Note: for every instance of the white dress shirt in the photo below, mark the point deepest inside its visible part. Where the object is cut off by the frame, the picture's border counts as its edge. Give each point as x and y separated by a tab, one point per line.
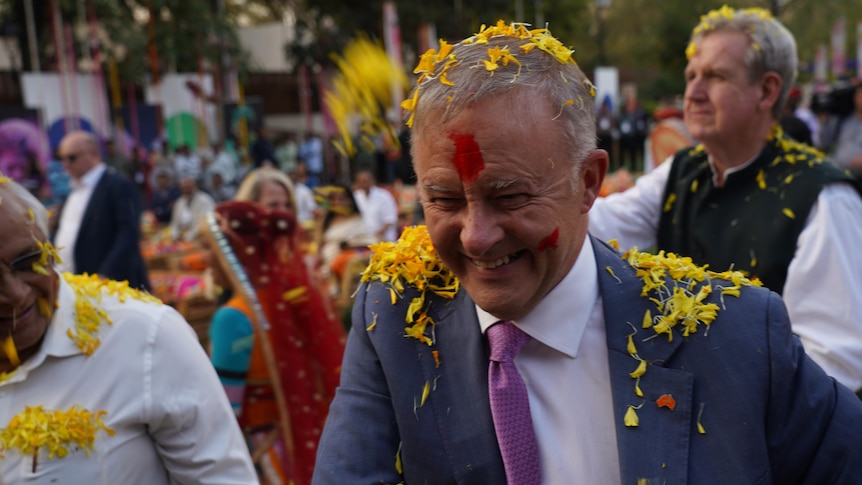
378	209
73	214
823	289
170	414
565	368
187	214
305	204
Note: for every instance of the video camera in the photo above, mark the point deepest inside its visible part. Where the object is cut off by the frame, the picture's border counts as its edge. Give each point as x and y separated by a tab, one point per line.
837	101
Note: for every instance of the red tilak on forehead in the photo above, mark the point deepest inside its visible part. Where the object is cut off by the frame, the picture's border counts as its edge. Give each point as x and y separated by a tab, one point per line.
550	241
468	157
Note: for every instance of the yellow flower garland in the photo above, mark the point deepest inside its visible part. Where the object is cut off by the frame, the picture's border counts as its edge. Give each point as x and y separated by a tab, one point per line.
88	316
412	261
55	430
680	305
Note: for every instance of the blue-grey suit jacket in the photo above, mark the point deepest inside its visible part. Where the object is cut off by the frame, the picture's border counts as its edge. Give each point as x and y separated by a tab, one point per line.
770	414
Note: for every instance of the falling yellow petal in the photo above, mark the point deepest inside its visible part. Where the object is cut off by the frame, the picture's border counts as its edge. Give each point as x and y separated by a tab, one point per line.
789	213
11	351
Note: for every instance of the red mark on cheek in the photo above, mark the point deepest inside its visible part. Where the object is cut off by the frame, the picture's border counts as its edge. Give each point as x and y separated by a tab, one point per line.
468	158
550	241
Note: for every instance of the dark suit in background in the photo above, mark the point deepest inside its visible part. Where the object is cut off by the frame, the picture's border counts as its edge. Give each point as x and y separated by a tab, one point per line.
108	242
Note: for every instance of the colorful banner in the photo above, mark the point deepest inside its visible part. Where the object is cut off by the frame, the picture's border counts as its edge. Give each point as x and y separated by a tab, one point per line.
839	48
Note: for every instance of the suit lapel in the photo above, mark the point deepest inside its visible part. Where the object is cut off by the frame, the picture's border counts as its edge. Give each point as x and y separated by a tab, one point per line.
460	392
658	448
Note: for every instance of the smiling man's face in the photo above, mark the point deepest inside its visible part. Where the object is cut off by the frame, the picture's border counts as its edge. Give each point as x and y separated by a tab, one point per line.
21	287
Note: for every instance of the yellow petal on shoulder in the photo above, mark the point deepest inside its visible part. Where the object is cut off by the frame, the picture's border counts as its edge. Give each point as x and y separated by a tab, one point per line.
647	323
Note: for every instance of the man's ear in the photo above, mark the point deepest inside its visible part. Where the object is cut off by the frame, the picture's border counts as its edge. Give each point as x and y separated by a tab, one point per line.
593	172
770	89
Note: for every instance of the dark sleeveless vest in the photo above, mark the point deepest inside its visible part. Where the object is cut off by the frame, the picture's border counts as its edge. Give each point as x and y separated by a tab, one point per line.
752	222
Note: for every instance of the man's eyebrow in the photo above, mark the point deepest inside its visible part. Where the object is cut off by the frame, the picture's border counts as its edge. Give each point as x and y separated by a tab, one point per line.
502	184
439	188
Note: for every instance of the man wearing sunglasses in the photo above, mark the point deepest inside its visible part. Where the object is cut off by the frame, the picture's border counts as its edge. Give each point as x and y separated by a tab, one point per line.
98	224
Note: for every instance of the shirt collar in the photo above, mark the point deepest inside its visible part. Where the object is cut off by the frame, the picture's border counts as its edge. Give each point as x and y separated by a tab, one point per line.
56	342
91	178
560	319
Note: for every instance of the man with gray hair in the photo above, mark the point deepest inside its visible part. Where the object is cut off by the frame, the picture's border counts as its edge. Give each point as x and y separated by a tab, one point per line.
748	197
504	344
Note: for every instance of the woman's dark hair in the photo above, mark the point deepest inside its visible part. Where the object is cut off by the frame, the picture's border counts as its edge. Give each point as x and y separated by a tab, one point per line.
327	219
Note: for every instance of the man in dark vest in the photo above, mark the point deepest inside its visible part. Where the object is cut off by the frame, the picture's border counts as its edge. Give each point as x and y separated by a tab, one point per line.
749	198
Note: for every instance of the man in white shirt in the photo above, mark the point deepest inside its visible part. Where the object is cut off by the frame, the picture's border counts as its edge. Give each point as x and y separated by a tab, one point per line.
306	206
378	207
189	210
187	163
100	383
98	229
751	199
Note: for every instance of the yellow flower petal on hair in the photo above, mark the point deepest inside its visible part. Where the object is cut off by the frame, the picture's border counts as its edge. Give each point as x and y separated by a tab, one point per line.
10	351
490	66
789	213
444	78
410	103
445	49
761	179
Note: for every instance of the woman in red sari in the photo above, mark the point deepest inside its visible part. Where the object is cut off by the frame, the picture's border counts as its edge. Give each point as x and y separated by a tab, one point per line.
276	324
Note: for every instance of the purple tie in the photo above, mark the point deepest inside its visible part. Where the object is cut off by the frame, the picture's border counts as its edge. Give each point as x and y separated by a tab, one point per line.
510	406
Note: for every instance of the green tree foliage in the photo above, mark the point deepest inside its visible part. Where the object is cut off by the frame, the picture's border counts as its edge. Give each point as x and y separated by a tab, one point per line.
186	34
